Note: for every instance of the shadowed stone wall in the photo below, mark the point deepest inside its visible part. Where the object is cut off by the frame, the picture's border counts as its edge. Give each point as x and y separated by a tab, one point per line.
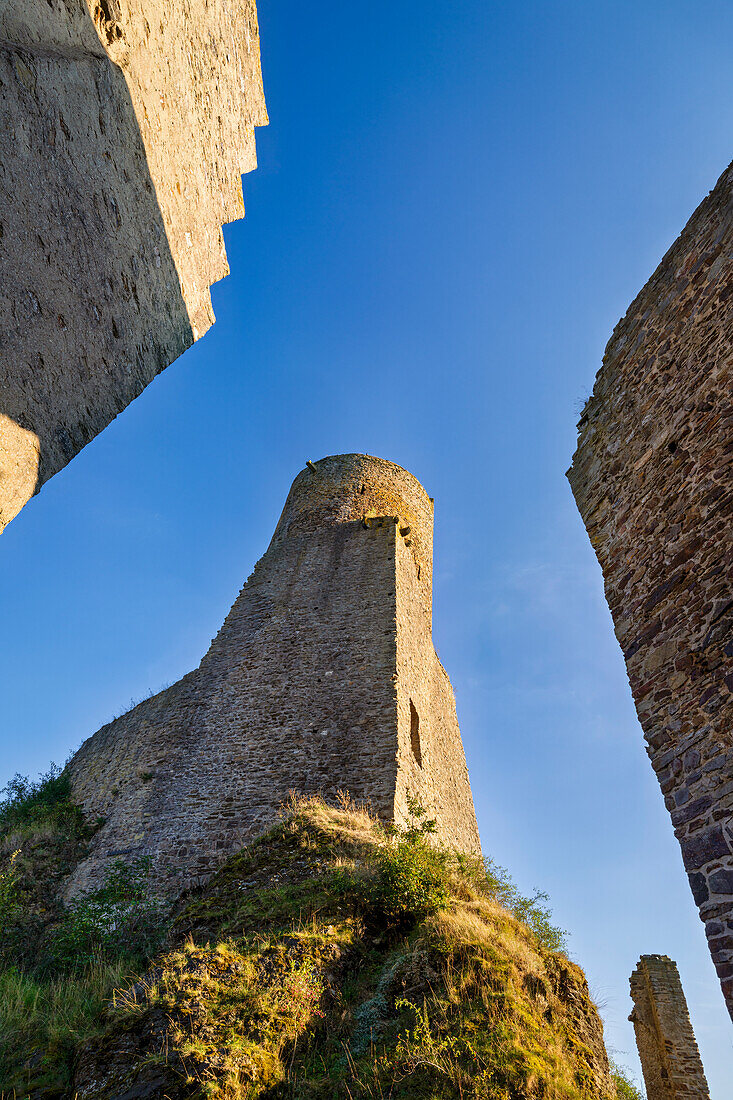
668	1051
125	126
322	678
652	477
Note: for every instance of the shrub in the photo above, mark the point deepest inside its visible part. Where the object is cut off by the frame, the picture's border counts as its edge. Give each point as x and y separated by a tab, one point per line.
626	1089
119	920
26	802
488	878
403	880
409	880
532	911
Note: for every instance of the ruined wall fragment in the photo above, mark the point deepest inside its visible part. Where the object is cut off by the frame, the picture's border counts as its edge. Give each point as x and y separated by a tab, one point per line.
670	1059
310	685
652	477
124	129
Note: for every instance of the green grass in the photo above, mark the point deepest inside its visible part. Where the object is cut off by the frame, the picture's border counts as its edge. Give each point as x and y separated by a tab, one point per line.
59	966
330	958
42	1021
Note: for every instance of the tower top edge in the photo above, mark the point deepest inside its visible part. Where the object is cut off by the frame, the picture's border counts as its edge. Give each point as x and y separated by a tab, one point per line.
347	488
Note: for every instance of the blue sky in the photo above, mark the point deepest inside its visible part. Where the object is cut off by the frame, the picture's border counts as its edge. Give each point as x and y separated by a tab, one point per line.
454	206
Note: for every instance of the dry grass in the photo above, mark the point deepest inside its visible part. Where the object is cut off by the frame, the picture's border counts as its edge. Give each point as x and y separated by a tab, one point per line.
274	985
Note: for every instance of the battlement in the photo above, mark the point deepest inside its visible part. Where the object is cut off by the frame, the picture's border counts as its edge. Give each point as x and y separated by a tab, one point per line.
323	678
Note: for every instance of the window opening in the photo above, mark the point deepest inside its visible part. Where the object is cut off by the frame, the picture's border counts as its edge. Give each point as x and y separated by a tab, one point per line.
415	733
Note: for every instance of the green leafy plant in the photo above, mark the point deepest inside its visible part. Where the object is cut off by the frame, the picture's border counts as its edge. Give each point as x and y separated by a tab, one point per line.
531	910
403	880
8	887
626	1088
119	920
46	800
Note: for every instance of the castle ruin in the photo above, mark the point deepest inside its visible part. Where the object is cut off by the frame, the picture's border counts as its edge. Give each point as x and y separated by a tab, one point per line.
667	1047
652	479
125	126
323	678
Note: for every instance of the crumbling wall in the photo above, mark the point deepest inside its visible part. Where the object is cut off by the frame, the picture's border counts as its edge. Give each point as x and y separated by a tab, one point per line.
668	1050
304	689
652	479
125	126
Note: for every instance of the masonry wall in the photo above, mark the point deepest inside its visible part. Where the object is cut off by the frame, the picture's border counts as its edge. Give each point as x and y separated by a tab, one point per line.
125	126
301	690
668	1051
652	479
432	761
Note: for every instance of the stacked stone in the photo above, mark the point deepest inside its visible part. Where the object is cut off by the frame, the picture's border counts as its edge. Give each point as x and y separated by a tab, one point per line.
670	1059
125	126
653	479
322	679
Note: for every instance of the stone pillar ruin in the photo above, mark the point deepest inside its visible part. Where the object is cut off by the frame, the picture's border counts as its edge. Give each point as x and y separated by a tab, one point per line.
323	678
668	1051
125	126
653	479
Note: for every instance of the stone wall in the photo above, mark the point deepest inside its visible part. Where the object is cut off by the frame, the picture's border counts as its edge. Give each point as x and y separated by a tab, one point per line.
668	1051
652	479
314	683
125	126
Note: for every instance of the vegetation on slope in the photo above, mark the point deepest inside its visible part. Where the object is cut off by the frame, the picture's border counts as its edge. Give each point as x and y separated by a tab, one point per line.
330	958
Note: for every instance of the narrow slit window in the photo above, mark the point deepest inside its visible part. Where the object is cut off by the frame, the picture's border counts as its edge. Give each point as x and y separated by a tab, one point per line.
415	733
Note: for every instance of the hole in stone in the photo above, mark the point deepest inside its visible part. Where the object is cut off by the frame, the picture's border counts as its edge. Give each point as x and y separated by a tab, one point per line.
415	733
671	447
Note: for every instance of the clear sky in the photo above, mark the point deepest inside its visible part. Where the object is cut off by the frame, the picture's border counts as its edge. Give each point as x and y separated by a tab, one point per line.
455	203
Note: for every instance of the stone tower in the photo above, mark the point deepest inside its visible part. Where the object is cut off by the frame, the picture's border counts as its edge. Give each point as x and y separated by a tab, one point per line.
653	479
125	126
667	1047
323	678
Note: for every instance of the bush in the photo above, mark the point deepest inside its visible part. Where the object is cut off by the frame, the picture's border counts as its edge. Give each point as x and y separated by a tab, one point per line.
530	910
626	1089
117	921
405	878
26	802
409	881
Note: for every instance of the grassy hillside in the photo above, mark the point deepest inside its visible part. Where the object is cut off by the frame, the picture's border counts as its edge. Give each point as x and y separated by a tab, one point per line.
330	958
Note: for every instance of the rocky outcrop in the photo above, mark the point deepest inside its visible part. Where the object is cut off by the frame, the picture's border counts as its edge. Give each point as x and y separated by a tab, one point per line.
275	986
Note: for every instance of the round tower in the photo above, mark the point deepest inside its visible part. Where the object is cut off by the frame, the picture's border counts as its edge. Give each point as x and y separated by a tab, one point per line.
356	488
